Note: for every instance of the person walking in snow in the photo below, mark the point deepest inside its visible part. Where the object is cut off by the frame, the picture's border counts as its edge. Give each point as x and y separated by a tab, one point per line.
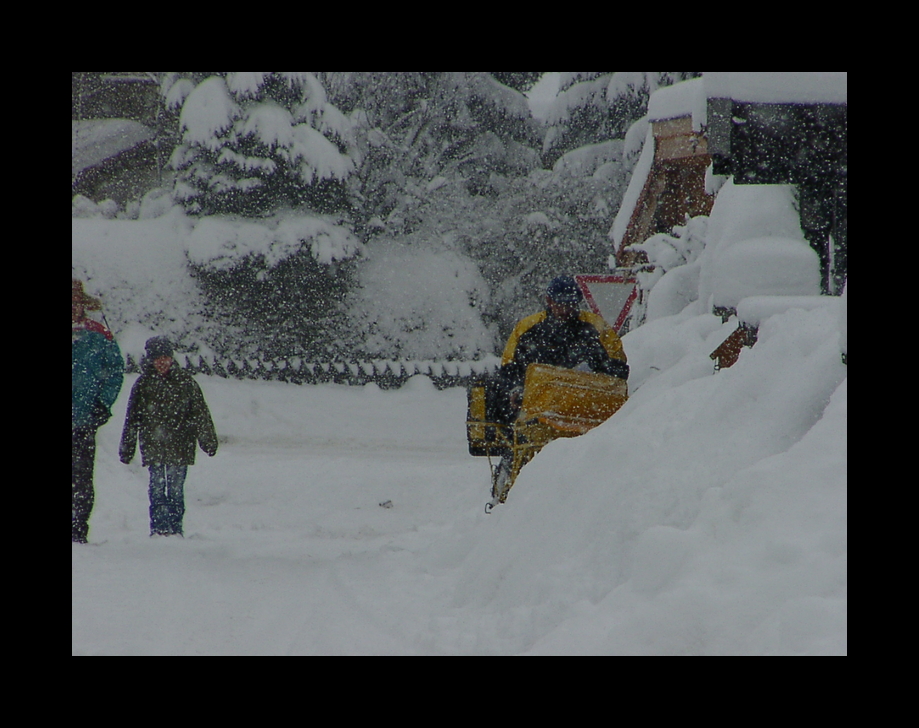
96	376
168	414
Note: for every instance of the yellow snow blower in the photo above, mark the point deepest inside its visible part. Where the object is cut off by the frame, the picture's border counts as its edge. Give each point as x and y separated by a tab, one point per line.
556	403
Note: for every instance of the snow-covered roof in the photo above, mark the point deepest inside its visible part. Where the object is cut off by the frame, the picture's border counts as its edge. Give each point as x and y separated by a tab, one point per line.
688	98
671	102
95	140
778	87
633	191
681	99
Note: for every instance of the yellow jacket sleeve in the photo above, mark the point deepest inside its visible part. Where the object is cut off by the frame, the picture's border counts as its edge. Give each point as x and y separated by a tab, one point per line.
519	330
608	336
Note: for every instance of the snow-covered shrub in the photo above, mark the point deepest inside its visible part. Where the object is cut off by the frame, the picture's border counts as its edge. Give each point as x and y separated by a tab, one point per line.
415	301
139	270
671	280
290	309
220	242
274	284
84	207
155	203
541	225
234	286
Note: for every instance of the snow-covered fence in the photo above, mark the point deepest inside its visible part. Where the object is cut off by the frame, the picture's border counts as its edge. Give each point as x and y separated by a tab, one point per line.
386	374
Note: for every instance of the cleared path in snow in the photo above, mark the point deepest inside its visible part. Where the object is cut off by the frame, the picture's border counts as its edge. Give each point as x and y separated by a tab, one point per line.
287	548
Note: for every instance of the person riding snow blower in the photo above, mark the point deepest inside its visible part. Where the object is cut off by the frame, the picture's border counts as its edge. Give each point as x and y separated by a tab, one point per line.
563	372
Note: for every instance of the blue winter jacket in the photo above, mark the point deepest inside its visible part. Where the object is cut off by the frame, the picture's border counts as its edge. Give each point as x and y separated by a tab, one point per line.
96	375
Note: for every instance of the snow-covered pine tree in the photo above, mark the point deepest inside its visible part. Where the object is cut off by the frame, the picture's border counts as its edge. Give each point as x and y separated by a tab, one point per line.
441	152
521	81
452	176
418	127
253	142
595	106
580	114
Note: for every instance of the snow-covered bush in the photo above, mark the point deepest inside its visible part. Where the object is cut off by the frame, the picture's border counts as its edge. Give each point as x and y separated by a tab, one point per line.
222	242
82	206
416	301
274	284
234	286
156	202
451	162
540	226
671	280
139	270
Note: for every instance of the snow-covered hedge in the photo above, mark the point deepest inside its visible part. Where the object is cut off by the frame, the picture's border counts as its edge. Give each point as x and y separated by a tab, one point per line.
419	301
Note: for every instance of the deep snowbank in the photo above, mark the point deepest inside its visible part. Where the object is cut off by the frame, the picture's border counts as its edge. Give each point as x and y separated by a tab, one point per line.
708	517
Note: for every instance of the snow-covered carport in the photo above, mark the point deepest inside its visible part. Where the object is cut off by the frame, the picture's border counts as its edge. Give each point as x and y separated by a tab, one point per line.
768	128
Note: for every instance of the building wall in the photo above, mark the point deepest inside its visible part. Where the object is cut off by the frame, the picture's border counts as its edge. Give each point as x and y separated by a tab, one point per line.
674	188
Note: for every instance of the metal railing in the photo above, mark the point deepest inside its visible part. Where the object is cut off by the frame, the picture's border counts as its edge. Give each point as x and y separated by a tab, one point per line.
384	373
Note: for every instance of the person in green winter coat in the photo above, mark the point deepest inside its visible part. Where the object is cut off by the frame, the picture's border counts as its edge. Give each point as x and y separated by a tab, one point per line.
168	415
96	376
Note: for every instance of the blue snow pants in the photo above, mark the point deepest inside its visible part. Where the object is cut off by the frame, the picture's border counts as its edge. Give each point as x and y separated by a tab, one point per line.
167	499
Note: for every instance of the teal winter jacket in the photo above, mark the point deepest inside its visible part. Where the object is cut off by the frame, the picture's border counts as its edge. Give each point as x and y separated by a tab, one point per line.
96	374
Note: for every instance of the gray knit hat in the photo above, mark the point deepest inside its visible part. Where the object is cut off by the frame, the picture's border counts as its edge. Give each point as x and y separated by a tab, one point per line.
158	346
564	290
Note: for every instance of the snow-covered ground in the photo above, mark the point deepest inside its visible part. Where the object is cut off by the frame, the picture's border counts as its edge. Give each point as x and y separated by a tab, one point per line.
707	517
